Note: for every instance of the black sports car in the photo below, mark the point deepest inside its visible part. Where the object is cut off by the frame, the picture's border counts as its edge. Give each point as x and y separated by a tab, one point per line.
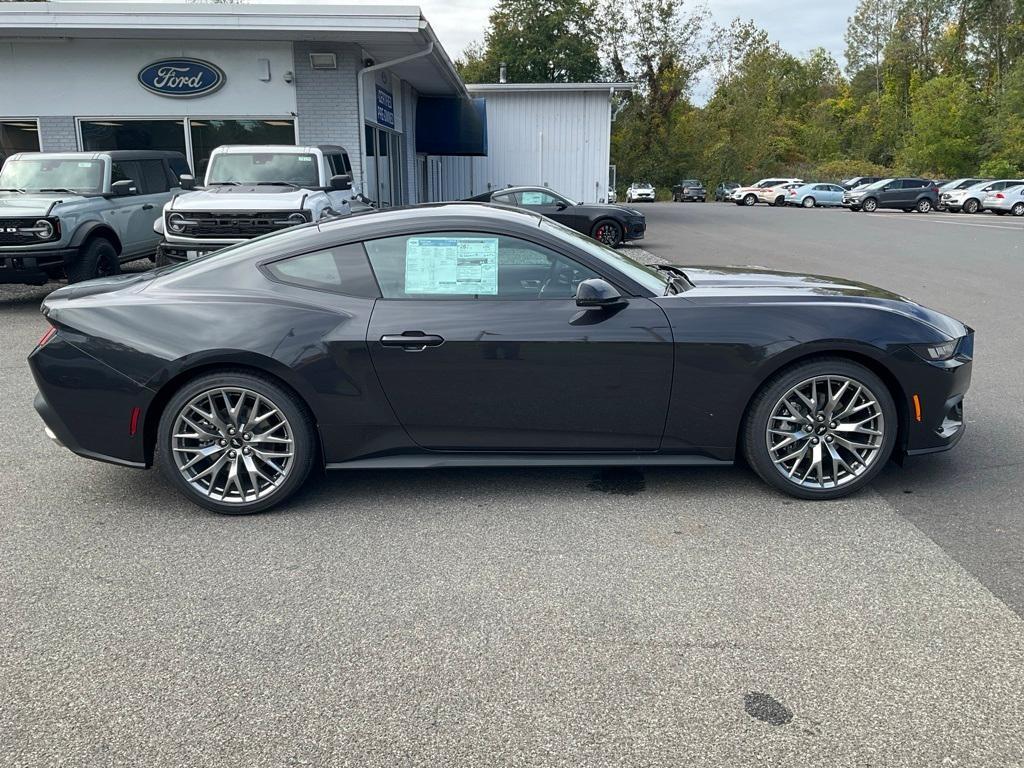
609	224
476	335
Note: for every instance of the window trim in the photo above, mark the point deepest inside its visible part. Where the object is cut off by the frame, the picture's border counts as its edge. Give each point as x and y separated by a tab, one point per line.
264	268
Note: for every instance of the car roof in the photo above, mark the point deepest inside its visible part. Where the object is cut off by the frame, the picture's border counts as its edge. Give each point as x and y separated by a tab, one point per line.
281	148
113	154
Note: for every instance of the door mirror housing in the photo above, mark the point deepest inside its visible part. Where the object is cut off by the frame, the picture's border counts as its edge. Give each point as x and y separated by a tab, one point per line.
341	181
124	188
187	181
596	292
561	205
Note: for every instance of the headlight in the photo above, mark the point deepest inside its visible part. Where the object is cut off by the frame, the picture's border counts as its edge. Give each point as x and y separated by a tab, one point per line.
44	229
937	352
176	222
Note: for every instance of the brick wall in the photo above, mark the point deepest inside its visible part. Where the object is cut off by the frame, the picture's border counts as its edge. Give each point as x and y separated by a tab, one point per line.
326	100
58	134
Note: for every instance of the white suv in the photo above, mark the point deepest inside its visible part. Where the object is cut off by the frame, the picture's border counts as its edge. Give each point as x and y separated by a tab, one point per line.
752	195
251	191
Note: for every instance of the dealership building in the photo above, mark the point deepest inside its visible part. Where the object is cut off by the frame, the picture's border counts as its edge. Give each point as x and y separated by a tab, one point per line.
373	79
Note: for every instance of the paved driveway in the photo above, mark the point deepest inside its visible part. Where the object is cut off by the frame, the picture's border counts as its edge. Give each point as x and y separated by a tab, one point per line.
666	617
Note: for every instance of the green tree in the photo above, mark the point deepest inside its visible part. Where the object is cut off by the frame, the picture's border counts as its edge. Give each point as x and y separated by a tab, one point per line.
945	128
539	41
867	35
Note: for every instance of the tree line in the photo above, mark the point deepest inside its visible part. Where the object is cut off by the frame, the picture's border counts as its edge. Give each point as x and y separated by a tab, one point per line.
930	87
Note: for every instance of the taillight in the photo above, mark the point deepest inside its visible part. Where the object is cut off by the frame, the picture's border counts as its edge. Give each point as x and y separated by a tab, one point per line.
50	333
999	195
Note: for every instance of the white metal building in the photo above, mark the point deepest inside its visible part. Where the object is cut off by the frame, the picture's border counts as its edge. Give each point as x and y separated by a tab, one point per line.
373	79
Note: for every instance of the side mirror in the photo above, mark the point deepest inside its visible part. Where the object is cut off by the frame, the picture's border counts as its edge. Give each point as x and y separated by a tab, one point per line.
561	205
596	292
187	182
124	188
341	181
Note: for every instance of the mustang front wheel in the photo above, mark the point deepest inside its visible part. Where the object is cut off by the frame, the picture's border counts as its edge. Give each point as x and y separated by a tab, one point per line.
607	232
235	443
821	429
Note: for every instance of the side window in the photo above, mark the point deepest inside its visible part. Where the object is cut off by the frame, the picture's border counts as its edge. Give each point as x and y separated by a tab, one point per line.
154	179
536	197
471	265
178	166
343	269
913	184
509	198
124	170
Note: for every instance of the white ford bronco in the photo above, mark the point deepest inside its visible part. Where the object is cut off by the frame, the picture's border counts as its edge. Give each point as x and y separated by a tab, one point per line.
253	190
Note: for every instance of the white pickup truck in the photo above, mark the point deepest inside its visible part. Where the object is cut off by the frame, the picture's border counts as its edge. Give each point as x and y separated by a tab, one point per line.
253	190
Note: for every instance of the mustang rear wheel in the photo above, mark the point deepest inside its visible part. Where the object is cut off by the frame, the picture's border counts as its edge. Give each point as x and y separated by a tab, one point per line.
235	443
821	429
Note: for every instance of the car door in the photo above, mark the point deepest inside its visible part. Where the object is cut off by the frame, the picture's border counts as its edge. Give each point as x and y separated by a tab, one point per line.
479	345
154	190
833	194
126	211
546	204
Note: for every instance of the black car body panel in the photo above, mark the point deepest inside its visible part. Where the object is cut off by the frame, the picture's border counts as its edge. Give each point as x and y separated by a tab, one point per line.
583	217
657	378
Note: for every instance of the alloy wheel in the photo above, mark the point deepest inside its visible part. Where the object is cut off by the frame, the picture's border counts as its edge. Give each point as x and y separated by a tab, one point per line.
870	205
233	445
924	206
808	202
1018	209
750	200
608	233
971	206
825	432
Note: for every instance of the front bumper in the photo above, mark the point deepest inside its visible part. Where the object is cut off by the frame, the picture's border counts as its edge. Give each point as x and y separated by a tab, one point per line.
940	390
635	230
32	267
177	252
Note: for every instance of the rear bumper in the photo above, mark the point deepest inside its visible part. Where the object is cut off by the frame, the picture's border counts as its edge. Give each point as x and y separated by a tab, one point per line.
94	420
32	267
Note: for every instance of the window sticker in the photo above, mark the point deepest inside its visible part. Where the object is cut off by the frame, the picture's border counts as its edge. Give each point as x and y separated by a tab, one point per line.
453	265
533	198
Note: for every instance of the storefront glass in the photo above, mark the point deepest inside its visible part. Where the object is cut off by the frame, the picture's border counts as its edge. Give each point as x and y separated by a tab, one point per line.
18	136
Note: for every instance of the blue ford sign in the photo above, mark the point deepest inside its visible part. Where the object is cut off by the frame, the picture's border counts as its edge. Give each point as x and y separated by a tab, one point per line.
181	78
385	108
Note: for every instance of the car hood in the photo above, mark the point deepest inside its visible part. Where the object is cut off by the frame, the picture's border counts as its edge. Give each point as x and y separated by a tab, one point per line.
27	204
755	283
247	198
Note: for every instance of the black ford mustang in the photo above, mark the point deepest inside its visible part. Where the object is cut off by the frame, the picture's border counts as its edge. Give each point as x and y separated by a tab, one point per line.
609	224
475	335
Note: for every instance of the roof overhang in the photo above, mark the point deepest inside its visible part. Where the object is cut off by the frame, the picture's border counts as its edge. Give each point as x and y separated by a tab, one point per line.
491	88
384	32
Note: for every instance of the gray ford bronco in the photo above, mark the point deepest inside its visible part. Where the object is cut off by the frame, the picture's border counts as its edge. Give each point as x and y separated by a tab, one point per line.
81	214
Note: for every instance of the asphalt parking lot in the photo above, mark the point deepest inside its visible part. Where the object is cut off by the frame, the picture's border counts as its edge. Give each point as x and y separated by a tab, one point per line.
543	617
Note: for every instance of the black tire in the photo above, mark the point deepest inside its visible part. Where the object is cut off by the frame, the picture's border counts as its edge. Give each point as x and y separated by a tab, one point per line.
808	202
749	199
97	258
299	422
971	206
870	205
1018	209
754	435
608	232
924	205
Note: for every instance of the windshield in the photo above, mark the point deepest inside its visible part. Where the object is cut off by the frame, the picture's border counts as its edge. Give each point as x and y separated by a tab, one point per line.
691	183
34	174
648	277
878	184
263	167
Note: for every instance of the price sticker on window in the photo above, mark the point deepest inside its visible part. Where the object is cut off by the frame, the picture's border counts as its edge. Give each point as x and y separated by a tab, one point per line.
452	265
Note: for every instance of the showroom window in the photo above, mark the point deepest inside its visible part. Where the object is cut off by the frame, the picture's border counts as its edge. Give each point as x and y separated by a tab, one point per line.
468	265
166	135
207	135
18	136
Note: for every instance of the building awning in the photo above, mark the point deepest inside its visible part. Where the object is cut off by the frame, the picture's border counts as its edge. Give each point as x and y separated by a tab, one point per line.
451	126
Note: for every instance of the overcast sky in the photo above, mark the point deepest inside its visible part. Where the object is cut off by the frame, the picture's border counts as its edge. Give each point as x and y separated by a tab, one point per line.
798	25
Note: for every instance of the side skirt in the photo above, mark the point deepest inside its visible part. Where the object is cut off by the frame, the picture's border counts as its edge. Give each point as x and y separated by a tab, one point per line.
436	461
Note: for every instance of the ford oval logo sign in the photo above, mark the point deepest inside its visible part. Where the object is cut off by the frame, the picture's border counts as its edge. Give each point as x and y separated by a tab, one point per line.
181	78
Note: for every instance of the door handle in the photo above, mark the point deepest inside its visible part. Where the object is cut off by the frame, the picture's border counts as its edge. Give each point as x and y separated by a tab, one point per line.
147	207
411	341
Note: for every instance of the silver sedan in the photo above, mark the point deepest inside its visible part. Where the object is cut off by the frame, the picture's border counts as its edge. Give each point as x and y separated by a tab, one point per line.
1004	201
